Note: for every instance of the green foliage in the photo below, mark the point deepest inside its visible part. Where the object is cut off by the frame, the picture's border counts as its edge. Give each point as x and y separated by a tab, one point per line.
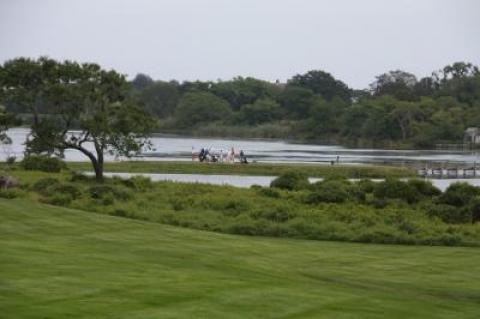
291	181
196	108
9	193
396	189
342	210
42	163
450	214
138	183
81	97
459	194
43	185
261	111
323	84
424	187
330	191
109	193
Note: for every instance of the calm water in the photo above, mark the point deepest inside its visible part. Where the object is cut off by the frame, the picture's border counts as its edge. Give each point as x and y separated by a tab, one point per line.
180	148
247	181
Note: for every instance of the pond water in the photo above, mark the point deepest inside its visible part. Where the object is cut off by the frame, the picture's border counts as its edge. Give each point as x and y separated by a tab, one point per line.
248	181
180	149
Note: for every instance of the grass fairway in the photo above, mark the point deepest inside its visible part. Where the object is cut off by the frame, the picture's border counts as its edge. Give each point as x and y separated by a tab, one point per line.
61	263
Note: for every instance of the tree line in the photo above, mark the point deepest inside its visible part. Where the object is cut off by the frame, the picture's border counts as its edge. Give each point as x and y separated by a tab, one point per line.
396	110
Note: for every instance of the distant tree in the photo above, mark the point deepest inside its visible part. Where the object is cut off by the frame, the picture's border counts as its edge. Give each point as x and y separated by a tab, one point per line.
405	114
425	87
241	91
142	81
460	80
195	108
325	116
195	86
398	84
160	98
322	83
77	96
459	70
297	101
261	111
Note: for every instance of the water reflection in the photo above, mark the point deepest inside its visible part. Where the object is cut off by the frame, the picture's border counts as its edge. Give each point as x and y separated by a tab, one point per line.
180	148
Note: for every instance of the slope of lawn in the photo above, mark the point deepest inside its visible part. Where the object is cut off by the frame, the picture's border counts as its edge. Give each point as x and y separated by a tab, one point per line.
61	263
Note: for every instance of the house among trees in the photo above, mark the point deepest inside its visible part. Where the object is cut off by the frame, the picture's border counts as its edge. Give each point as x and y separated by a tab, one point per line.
472	135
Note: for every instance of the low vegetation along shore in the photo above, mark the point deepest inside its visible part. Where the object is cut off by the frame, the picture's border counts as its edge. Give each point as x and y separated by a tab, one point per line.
311	170
391	212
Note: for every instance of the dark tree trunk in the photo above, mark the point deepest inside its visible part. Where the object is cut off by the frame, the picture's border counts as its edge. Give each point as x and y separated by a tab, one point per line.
98	167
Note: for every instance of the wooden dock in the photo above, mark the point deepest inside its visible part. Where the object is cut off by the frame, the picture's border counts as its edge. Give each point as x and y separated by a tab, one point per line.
450	172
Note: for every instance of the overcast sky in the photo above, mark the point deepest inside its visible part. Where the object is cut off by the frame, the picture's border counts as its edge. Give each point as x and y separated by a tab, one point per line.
269	39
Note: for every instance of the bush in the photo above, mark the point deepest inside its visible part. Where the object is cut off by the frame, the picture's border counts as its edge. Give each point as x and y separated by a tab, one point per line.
8	193
78	177
475	209
334	191
291	181
139	183
42	185
269	192
450	214
459	194
366	186
42	163
278	214
396	189
108	193
68	189
424	188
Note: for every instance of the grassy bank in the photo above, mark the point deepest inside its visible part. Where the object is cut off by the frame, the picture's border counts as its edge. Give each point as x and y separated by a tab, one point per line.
63	263
304	213
250	169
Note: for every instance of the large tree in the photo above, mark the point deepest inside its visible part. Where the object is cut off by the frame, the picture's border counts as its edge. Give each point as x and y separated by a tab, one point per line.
200	107
398	83
322	83
81	97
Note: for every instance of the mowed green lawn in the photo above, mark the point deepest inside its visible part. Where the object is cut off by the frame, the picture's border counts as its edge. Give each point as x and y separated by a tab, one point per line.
61	263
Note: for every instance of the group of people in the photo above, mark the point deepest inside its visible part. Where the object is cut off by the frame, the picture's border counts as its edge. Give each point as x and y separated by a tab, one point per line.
209	155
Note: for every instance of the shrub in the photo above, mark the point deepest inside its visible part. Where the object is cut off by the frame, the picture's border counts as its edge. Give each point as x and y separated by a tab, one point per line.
139	183
396	189
291	181
269	192
42	185
475	209
8	193
68	189
424	188
366	185
106	191
278	214
334	191
42	163
78	177
459	194
449	213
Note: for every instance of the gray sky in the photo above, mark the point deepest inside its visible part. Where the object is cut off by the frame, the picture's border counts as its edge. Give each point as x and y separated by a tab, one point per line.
268	39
